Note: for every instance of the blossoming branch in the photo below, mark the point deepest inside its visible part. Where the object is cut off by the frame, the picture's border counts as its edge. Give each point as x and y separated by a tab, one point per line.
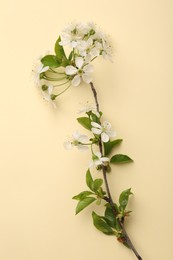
54	74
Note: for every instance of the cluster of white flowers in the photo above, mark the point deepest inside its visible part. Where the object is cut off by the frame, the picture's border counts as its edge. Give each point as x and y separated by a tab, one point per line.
87	39
88	42
103	131
81	142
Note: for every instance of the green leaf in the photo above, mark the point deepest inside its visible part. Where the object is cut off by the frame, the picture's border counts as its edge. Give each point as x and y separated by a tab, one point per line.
101	224
70	56
94	117
97	183
51	61
84	203
89	179
59	50
85	122
120	158
111	219
110	145
123	198
82	195
101	192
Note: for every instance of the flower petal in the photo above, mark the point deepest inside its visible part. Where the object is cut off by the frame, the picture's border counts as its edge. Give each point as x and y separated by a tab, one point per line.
64	42
96	113
83	139
43	69
98	154
91	164
73	44
88	58
50	89
86	78
88	68
106	125
68	145
76	81
79	61
98	162
82	147
70	70
104	159
76	135
96	131
111	133
96	125
104	137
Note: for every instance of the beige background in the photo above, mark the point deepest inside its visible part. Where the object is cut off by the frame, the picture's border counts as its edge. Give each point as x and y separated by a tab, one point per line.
38	177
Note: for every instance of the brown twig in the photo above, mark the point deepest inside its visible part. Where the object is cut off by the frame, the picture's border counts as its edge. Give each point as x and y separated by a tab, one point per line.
126	238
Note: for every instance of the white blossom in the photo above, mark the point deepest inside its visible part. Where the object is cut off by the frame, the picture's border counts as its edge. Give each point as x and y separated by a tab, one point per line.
89	107
84	46
98	160
78	140
87	40
39	68
72	33
81	71
104	130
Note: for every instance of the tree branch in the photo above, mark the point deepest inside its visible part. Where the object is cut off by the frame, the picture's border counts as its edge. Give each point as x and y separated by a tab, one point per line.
109	199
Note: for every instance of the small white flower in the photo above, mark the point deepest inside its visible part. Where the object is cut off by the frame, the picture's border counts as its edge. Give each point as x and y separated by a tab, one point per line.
82	71
107	51
76	140
85	46
72	33
89	107
98	160
39	68
104	130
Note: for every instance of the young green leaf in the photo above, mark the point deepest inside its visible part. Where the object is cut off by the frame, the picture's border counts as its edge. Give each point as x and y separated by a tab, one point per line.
97	183
89	179
101	224
110	145
51	61
120	158
59	50
82	195
84	203
101	193
123	198
70	56
111	219
94	117
85	122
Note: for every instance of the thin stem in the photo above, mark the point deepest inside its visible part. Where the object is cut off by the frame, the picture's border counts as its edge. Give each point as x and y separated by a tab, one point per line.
63	90
56	72
58	85
109	198
53	79
95	96
86	143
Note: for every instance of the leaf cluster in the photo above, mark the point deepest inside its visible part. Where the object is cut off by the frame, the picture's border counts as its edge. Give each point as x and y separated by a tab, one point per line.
108	146
96	192
57	60
111	222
